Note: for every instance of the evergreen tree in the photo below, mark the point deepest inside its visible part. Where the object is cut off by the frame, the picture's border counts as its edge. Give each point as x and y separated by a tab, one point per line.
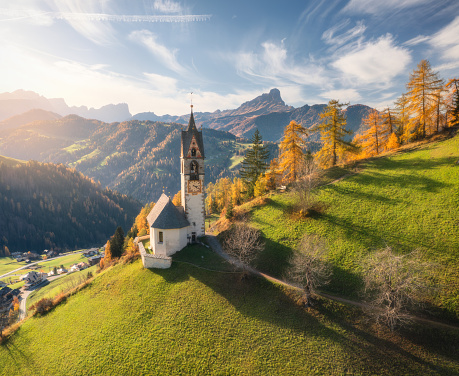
292	151
422	94
254	163
117	243
332	133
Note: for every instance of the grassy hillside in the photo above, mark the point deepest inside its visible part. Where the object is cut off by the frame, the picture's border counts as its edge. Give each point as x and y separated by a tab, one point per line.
187	320
407	200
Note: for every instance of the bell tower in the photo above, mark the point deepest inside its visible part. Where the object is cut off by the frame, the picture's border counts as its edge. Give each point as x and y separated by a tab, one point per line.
192	178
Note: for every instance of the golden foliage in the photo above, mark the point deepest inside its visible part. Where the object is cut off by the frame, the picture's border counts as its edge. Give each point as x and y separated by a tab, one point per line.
392	142
332	132
291	151
177	200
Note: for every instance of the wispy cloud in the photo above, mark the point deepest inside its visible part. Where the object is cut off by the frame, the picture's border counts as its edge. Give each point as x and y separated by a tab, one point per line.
21	14
166	56
344	95
274	64
167	6
333	36
380	6
447	40
375	62
417	40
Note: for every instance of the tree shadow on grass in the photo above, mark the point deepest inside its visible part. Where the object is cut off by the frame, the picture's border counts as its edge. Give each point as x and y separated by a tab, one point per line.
411	179
260	300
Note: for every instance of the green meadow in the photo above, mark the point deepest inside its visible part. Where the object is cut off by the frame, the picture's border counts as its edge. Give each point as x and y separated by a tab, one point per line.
408	200
192	321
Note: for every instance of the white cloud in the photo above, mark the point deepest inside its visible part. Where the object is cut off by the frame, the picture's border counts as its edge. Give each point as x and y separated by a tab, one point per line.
331	36
416	40
380	6
447	40
163	84
374	62
276	66
167	6
344	95
166	56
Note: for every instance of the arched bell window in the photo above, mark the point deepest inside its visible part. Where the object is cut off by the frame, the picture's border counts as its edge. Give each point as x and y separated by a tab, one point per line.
194	170
193	152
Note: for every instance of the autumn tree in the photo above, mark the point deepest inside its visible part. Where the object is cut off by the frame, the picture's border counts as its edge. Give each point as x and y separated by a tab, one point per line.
422	87
374	138
177	200
108	253
332	133
141	227
454	105
403	118
260	186
243	243
292	151
395	285
309	179
309	268
272	175
254	162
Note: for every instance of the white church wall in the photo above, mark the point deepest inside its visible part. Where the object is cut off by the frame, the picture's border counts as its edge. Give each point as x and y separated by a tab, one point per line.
152	261
173	241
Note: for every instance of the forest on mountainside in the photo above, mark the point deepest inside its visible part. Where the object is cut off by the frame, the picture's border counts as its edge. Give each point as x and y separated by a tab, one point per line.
48	206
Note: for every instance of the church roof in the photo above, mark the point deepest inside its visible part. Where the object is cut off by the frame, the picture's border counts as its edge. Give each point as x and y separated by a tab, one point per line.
165	215
187	136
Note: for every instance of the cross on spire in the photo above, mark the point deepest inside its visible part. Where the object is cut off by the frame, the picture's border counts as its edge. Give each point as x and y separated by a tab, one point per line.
191	96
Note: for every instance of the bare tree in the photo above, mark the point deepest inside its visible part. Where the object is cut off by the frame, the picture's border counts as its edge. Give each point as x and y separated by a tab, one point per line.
309	178
308	267
243	243
395	284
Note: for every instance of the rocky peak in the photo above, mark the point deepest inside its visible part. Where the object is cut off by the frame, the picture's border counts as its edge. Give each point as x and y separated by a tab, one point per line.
263	104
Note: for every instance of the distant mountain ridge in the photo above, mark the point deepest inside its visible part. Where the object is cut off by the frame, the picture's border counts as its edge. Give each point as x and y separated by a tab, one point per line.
21	101
268	113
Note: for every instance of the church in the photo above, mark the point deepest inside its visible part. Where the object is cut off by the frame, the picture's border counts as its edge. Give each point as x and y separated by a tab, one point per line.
172	227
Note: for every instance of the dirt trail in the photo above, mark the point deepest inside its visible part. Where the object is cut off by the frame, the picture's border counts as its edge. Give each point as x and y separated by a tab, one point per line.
215	245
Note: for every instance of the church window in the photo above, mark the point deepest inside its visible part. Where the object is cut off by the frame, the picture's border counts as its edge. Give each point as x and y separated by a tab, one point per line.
194	170
193	152
160	237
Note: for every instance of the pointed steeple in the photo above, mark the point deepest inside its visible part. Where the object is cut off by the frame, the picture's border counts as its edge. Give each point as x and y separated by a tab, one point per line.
192	133
191	123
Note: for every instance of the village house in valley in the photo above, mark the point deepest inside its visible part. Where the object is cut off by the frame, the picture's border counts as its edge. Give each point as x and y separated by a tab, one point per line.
172	227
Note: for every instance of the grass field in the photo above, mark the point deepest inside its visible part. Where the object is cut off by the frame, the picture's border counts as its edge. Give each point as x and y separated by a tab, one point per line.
190	321
61	284
8	264
407	201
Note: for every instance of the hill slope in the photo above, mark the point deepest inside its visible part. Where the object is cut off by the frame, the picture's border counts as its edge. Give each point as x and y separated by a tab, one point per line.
187	320
47	206
407	200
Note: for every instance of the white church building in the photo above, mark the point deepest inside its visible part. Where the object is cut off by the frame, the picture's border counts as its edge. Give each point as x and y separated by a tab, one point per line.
172	227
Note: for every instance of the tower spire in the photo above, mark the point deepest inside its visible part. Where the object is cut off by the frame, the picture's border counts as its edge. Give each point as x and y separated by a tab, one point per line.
191	99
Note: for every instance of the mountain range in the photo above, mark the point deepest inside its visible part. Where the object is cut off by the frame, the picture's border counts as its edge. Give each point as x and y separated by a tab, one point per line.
140	156
21	101
268	113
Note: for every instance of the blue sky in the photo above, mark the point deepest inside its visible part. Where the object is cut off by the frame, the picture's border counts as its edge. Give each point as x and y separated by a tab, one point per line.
152	53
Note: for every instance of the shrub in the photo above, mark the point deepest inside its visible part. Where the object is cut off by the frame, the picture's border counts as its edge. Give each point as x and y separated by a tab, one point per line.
42	306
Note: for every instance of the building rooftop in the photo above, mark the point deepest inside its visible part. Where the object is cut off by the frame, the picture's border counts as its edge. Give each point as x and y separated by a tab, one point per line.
165	215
